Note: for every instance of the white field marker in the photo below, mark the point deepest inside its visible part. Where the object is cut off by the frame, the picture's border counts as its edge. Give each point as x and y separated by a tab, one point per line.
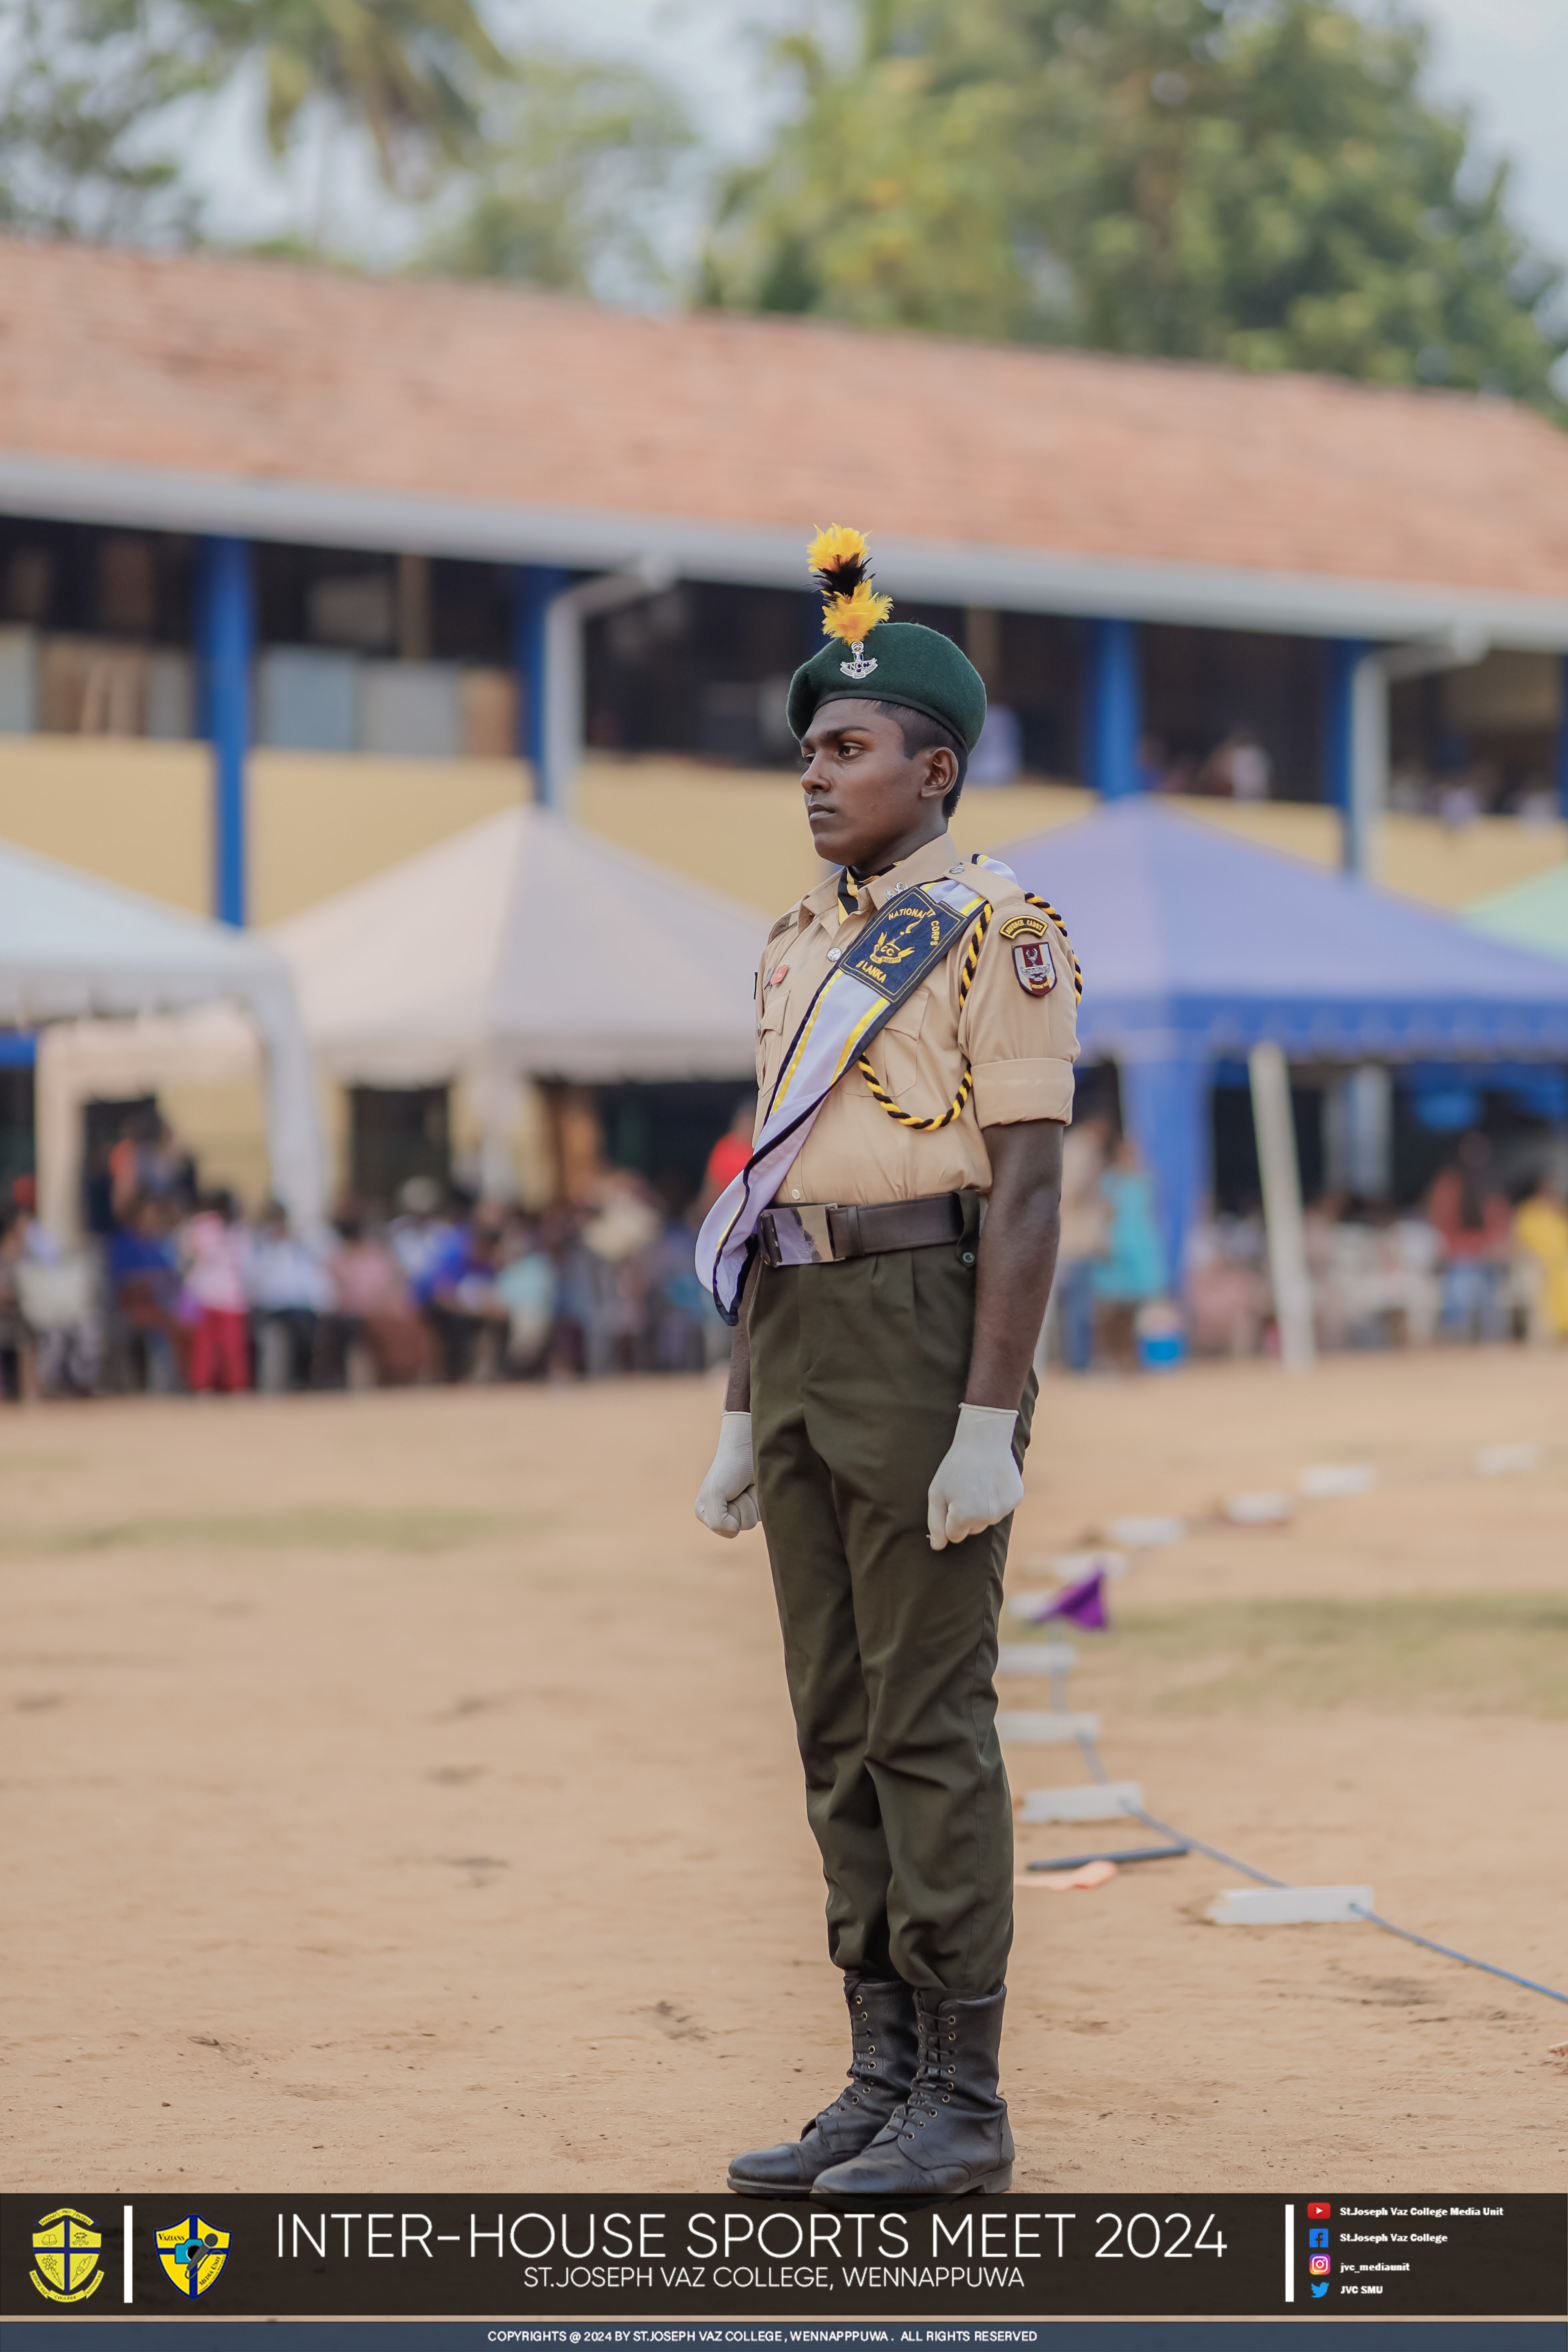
1146	1534
1106	1800
1322	1481
1035	1658
1288	1906
1044	1727
1508	1461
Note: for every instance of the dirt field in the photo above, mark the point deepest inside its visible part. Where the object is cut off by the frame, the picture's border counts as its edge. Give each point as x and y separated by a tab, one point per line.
400	1793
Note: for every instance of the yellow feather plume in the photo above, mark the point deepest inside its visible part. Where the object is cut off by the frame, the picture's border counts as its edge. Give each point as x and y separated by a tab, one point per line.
853	617
839	543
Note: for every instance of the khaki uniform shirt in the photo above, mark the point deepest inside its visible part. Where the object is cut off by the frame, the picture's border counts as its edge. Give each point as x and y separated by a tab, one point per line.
1021	1048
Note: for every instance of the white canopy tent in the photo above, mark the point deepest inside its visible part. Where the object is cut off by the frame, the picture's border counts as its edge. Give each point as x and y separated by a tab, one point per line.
76	950
523	949
525	941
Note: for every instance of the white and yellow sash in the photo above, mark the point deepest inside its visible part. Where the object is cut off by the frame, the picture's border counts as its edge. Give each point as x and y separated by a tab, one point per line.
917	929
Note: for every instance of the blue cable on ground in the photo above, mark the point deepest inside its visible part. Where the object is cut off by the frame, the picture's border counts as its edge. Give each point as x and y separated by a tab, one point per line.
1467	1959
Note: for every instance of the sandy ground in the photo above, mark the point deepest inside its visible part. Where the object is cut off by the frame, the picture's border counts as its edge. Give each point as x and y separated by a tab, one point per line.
400	1792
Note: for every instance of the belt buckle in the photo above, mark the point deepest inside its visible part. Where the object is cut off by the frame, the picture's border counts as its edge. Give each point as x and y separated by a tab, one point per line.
799	1236
815	1231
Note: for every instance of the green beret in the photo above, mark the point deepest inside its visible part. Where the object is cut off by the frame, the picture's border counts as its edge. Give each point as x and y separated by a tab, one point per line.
915	667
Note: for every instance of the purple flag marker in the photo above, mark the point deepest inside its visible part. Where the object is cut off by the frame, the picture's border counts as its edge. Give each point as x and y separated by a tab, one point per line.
1082	1604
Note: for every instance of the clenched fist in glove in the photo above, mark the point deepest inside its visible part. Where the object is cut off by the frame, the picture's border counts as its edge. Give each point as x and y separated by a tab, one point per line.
727	1498
977	1482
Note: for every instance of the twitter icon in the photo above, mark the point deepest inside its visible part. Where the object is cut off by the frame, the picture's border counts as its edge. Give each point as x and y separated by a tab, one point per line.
1319	2286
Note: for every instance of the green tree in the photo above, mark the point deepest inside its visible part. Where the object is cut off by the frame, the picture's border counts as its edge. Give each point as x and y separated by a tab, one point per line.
574	177
410	73
83	85
1262	182
97	97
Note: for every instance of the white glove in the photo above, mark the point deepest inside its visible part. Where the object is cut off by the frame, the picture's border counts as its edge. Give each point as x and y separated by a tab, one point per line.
727	1498
977	1482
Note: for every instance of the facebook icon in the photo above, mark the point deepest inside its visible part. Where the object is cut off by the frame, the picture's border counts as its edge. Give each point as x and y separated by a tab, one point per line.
1317	2237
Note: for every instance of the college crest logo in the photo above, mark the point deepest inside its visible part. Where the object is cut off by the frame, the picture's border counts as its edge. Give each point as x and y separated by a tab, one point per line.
1032	959
65	2247
192	2253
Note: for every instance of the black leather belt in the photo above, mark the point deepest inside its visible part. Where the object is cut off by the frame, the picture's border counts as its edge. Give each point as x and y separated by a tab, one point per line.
822	1231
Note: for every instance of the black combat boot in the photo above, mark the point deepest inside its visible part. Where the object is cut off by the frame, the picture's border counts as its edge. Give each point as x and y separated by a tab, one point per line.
952	2135
883	2049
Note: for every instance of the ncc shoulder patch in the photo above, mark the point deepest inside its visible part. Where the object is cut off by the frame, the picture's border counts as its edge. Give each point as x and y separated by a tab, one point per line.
1024	927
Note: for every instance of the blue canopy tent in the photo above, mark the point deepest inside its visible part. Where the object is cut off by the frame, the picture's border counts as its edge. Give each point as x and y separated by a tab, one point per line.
1197	946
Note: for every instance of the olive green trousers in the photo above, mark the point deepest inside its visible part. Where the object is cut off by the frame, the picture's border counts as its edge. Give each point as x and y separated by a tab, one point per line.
858	1373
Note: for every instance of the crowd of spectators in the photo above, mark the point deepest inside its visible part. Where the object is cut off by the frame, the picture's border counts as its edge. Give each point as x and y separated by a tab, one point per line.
1465	1262
185	1294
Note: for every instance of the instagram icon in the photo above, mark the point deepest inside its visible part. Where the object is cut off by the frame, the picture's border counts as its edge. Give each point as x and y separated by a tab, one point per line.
1320	2266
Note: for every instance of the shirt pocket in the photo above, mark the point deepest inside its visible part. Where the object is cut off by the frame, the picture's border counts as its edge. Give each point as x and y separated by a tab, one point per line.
773	1036
894	1049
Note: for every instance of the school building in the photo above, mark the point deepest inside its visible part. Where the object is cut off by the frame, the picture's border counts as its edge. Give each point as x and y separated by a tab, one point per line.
302	571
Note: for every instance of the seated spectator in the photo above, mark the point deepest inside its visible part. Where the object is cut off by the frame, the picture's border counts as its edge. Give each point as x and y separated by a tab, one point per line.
684	1326
1411	1283
371	1310
1540	1250
1474	1227
1228	1293
59	1300
526	1287
624	1223
214	1247
1238	769
19	1371
421	1230
290	1291
456	1290
144	1267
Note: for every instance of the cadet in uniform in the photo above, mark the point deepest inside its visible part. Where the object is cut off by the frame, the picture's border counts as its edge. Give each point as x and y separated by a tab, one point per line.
888	1252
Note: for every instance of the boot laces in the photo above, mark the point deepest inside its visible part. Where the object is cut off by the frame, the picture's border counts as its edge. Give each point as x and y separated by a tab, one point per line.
936	2071
866	2061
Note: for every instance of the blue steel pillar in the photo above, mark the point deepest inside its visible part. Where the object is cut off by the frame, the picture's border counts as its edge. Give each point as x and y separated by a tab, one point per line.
225	645
538	585
1345	655
1112	709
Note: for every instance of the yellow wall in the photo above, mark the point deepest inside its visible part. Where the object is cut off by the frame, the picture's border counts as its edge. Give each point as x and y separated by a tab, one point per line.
321	820
1416	854
225	1127
133	813
743	830
139	814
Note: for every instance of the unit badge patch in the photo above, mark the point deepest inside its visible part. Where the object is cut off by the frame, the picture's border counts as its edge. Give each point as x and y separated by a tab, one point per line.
192	2253
1032	958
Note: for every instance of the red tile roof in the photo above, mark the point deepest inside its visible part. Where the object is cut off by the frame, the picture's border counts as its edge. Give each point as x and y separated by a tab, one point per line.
240	369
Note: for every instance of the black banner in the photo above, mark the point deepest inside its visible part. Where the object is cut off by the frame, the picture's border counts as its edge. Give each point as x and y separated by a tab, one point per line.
627	2260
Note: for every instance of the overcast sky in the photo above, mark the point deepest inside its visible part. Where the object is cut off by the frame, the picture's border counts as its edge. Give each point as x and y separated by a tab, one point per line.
1507	59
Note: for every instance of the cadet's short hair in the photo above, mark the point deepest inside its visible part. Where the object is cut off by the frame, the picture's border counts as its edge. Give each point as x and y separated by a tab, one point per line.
921	732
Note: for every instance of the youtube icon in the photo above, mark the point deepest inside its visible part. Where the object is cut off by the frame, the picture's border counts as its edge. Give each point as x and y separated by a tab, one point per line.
1317	2212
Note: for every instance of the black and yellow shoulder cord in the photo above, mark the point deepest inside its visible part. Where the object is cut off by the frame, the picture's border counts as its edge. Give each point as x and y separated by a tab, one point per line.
966	1087
1045	907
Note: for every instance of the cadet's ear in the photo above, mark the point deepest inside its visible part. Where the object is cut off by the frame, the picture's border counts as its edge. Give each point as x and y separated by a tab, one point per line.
941	775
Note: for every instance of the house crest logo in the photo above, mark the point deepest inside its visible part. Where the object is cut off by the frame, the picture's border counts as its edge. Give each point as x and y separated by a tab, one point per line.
66	2247
192	2253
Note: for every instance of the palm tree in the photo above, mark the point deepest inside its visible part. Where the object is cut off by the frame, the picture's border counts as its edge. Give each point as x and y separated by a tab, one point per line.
409	73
